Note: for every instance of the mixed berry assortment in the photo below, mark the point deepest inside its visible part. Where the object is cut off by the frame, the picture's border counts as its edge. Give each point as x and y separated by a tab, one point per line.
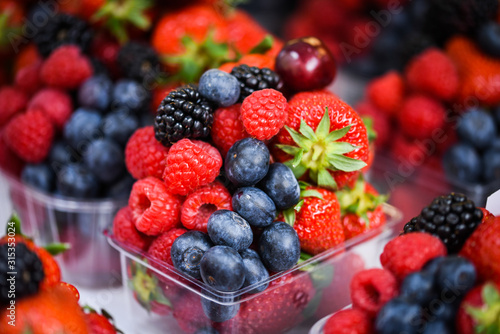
429	284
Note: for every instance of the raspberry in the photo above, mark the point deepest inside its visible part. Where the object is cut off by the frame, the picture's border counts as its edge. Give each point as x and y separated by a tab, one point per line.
55	103
387	92
30	135
227	128
28	78
125	231
191	164
160	248
66	68
433	72
154	209
9	161
410	252
12	101
348	322
409	150
200	204
371	289
421	116
381	122
144	155
264	113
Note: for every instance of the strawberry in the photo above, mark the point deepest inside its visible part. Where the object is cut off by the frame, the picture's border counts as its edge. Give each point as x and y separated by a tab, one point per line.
316	219
361	209
27	56
334	154
244	33
409	150
381	123
480	310
483	249
387	92
99	323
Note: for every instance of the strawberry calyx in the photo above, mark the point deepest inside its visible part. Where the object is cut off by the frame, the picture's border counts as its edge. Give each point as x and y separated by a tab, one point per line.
358	201
370	130
320	152
117	14
146	288
487	317
227	7
290	214
6	29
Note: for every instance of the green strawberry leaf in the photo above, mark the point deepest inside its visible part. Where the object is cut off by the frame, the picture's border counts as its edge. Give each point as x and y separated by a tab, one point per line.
346	164
57	248
326	180
298	158
323	129
298	138
292	150
311	193
298	171
370	130
298	206
265	45
336	147
490	295
307	131
337	134
289	215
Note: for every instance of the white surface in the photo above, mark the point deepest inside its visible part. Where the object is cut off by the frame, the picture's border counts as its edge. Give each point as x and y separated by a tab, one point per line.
493	203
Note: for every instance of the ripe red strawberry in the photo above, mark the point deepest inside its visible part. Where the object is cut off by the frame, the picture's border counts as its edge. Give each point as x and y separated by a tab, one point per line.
160	247
371	289
55	103
317	221
409	150
28	55
227	128
381	122
361	208
191	164
387	92
30	135
154	209
337	151
433	72
28	78
99	323
12	101
408	253
480	310
421	116
144	155
264	113
66	68
125	231
483	249
201	203
244	33
348	322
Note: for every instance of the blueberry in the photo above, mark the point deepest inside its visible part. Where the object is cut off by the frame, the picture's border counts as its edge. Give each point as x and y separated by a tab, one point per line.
488	38
491	163
279	247
40	176
281	185
477	128
82	128
229	229
456	274
219	87
255	271
206	330
222	268
121	189
399	316
444	308
75	180
247	162
496	114
436	327
95	93
461	162
61	153
130	95
219	312
119	126
432	267
105	159
254	206
418	288
187	251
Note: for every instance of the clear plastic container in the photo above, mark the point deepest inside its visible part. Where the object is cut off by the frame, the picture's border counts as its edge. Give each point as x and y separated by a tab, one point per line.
163	300
90	262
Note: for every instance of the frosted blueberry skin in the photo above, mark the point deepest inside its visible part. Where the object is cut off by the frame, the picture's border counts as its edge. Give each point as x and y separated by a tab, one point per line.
255	271
95	93
399	316
228	228
254	206
105	159
219	87
83	127
222	268
218	312
279	247
41	176
247	162
188	250
281	186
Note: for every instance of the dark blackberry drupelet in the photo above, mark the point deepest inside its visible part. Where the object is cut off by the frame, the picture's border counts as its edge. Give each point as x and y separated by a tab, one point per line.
63	29
28	271
451	218
184	113
138	61
254	78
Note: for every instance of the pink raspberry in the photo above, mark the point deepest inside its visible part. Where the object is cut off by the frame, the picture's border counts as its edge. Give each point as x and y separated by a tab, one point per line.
125	231
12	101
160	248
28	78
227	128
55	103
350	321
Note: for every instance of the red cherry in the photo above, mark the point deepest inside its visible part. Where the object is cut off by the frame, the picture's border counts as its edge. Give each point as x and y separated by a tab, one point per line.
306	64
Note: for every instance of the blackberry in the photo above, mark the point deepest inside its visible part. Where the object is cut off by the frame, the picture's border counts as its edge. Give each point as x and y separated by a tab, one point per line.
254	78
28	270
451	218
62	29
184	113
138	61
